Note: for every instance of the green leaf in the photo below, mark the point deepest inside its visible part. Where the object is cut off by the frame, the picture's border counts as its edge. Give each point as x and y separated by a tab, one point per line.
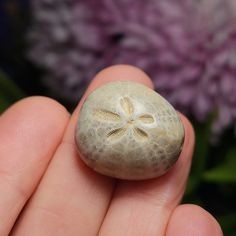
227	223
202	136
9	92
226	173
3	104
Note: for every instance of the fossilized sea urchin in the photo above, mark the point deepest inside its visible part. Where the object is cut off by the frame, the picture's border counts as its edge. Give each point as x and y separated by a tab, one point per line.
128	131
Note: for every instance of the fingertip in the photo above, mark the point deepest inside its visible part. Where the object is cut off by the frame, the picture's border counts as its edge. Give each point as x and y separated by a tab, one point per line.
33	120
191	219
189	140
38	103
44	109
119	73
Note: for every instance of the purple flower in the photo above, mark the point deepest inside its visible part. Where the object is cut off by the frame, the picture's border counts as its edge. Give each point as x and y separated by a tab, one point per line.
187	47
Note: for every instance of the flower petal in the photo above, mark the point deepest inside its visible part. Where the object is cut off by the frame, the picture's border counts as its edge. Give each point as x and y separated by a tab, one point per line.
140	134
105	115
127	105
116	133
146	118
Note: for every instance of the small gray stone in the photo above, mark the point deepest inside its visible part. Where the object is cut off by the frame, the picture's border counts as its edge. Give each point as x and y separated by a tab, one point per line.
128	131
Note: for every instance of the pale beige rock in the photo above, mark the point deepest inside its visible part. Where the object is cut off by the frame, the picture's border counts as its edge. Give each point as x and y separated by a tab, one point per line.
128	131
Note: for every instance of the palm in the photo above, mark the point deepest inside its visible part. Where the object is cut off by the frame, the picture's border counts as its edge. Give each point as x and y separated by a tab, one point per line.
40	171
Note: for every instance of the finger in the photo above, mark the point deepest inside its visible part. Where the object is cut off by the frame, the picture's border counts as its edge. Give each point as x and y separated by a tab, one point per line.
30	131
192	220
72	199
144	208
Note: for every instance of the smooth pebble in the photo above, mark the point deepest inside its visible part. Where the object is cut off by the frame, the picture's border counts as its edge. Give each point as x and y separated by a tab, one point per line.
128	131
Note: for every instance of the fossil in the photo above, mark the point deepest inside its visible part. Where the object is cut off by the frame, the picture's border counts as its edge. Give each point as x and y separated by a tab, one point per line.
131	122
128	131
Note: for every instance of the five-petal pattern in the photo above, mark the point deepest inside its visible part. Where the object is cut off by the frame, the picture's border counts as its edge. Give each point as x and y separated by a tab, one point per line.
131	122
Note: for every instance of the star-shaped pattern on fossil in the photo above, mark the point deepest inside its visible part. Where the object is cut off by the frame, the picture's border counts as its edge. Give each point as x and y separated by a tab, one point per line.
131	121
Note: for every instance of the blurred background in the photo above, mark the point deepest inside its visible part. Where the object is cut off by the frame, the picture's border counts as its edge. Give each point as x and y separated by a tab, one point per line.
188	48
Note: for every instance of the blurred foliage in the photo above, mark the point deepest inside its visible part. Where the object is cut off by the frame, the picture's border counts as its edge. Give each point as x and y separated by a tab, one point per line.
9	92
224	173
212	182
14	22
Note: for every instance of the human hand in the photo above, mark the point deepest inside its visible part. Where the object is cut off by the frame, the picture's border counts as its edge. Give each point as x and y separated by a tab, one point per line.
45	189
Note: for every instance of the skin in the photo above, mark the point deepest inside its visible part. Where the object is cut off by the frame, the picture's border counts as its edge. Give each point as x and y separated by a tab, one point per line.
47	190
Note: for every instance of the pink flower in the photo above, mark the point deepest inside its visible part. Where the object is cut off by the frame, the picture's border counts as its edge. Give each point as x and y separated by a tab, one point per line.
187	47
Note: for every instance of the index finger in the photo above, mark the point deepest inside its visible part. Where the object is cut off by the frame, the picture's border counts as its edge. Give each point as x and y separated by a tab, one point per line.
71	195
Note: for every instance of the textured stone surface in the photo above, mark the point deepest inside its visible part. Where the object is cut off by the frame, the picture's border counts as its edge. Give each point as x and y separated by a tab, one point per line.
128	131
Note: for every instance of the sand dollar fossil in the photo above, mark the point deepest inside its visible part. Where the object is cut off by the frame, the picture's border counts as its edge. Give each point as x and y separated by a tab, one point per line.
126	130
